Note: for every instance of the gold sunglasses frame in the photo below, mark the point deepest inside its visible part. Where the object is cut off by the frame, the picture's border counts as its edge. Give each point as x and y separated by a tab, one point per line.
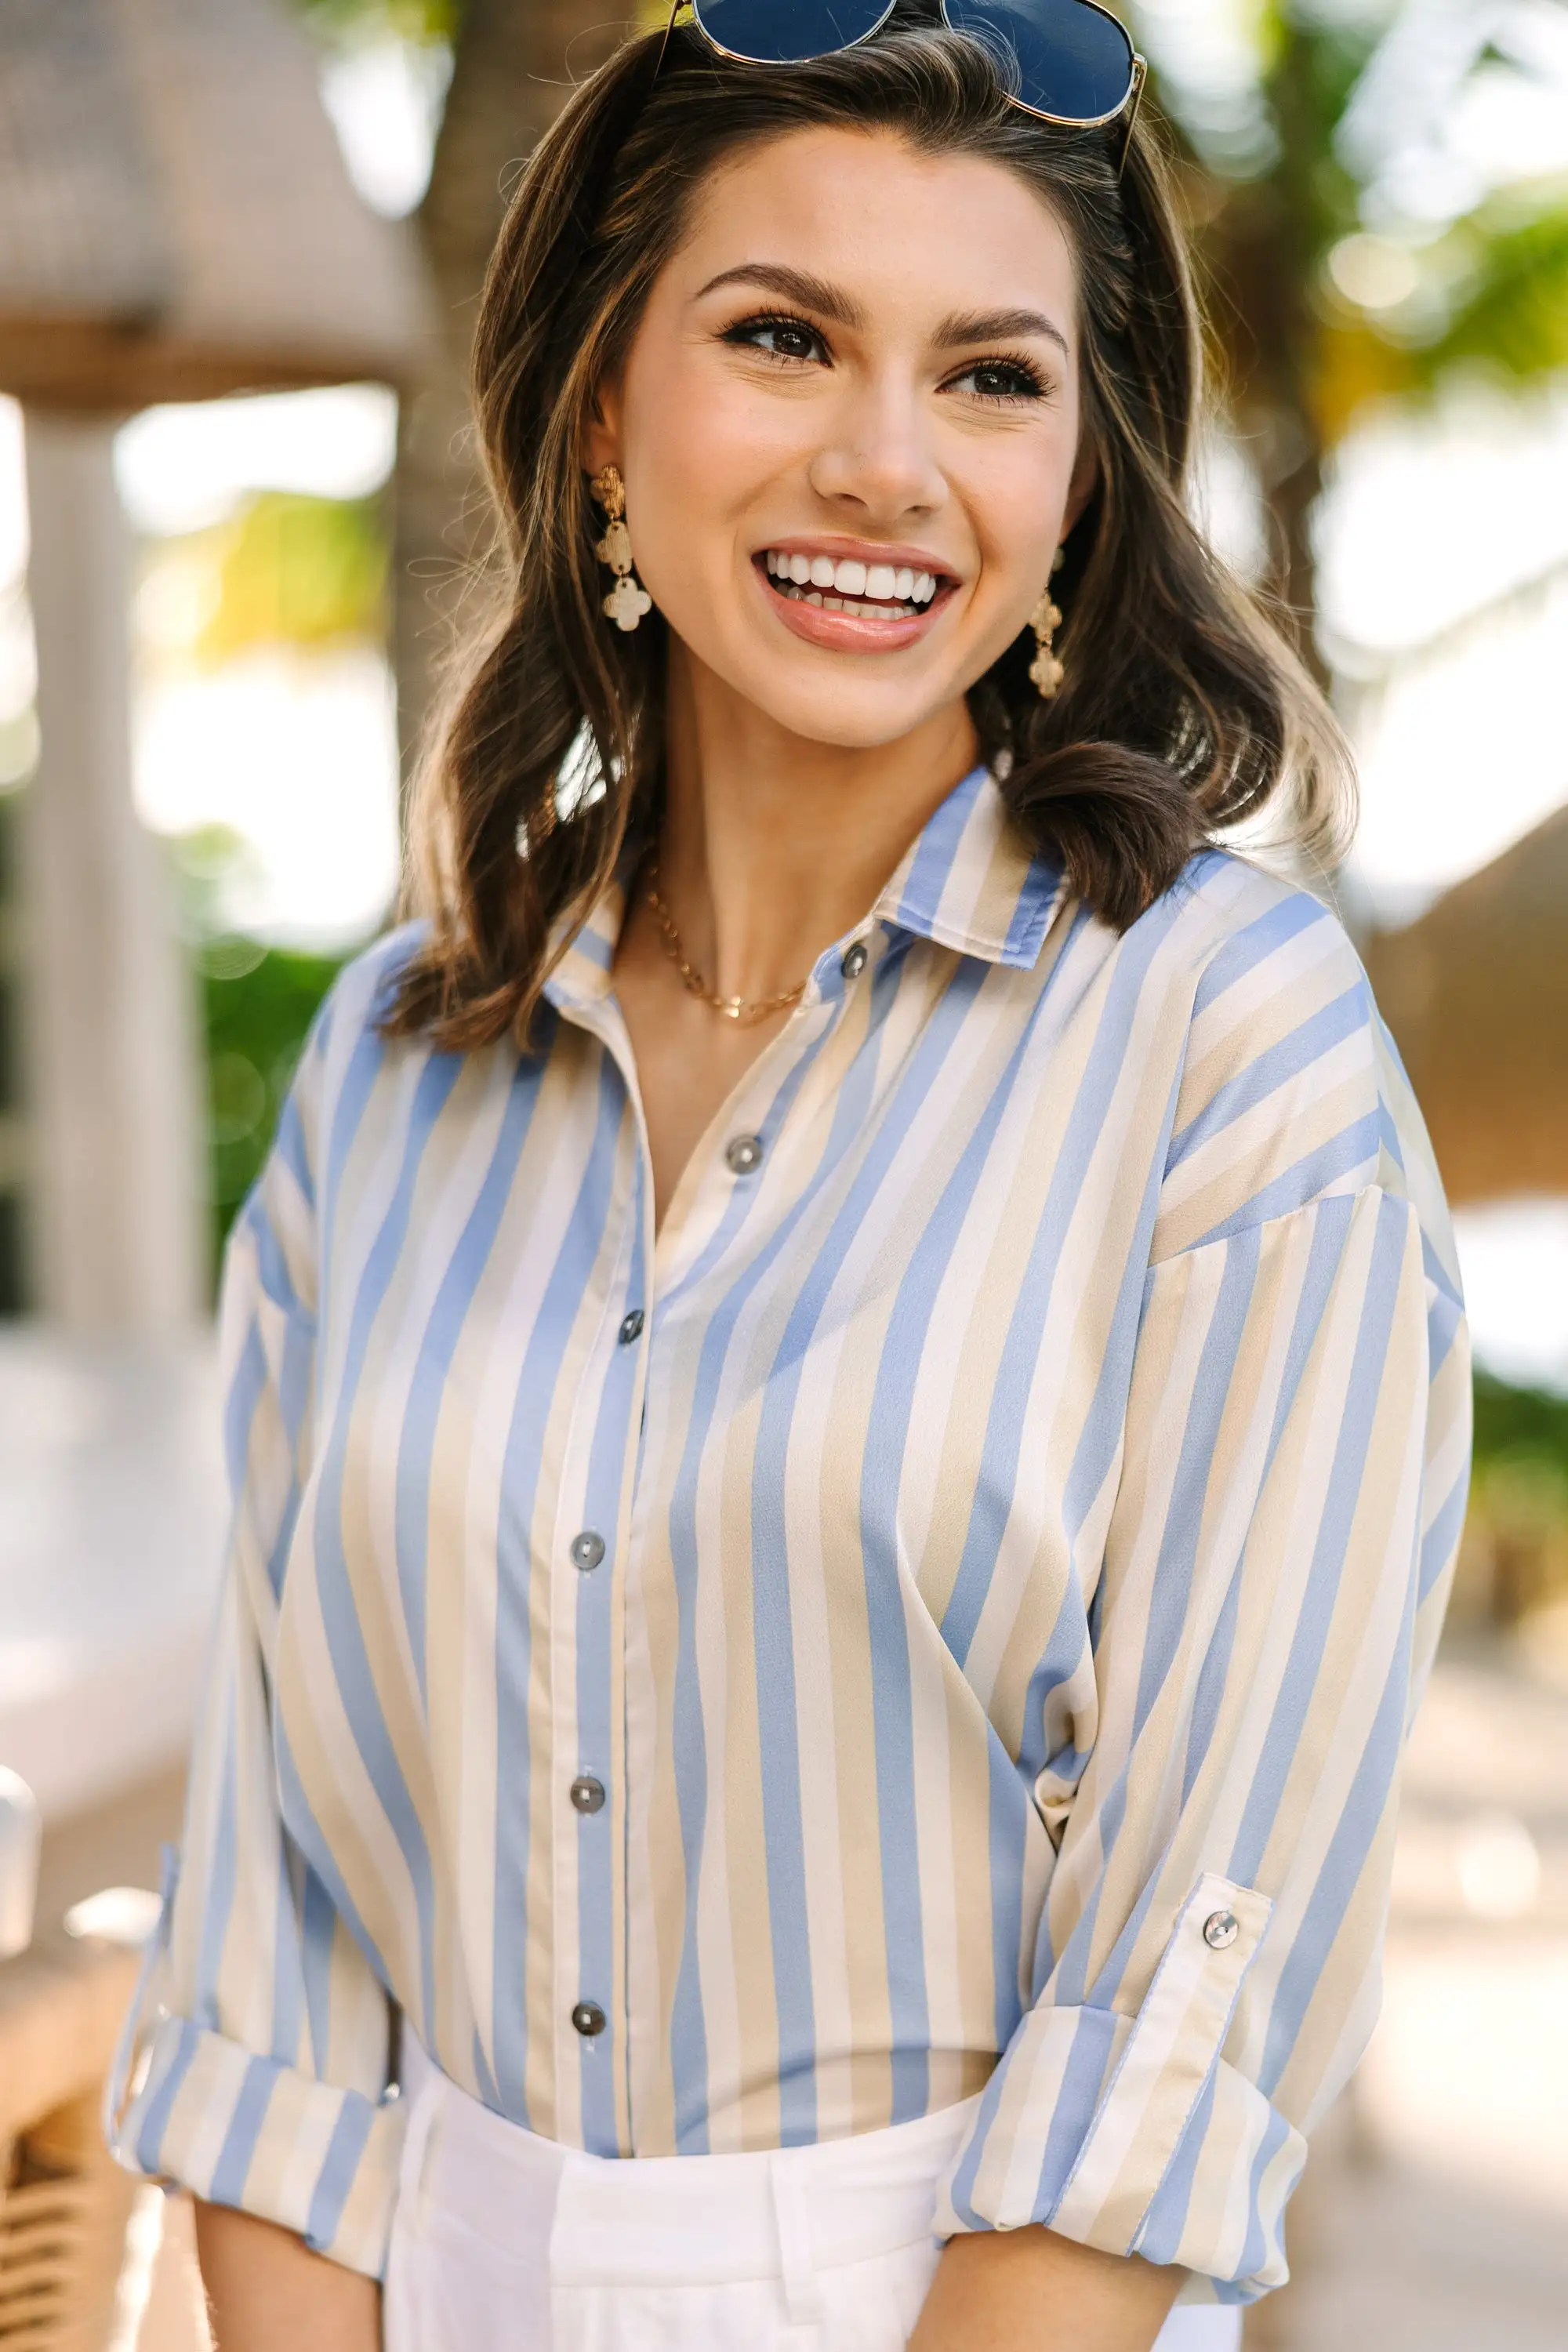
1128	106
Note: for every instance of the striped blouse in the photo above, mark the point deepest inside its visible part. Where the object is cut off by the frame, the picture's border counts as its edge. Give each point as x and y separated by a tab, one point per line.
941	1614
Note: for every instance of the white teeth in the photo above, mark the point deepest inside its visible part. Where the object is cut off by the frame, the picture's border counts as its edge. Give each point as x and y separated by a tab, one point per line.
873	612
861	588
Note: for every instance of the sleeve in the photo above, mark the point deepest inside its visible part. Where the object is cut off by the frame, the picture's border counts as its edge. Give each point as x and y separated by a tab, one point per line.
259	2050
1280	1530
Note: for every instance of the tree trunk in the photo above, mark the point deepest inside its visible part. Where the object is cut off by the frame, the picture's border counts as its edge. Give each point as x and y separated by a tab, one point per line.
513	68
1264	245
1258	275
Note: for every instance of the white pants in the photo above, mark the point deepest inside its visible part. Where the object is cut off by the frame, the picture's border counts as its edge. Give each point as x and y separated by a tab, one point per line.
502	2242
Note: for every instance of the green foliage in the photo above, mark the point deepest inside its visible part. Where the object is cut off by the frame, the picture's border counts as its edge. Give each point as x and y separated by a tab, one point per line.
1515	1424
282	570
423	21
1514	1558
258	1005
1507	295
1312	70
1490	289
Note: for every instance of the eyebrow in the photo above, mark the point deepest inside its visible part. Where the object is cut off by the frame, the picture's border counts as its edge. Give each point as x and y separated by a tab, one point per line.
795	286
955	333
999	326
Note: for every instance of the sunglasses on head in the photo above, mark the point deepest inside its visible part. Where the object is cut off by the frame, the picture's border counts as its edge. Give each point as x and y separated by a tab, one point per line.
1067	61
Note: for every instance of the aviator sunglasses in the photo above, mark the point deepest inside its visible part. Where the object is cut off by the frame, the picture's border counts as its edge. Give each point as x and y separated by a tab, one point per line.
1068	61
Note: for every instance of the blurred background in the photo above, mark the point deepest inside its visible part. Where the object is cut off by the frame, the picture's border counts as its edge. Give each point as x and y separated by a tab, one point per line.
240	243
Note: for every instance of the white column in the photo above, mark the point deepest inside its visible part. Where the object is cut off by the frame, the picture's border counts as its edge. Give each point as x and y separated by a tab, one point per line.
116	1185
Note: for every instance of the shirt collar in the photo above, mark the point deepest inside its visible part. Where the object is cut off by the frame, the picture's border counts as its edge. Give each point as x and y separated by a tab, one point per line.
967	881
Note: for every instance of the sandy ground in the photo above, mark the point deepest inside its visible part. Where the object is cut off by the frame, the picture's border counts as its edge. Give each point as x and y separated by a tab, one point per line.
1433	2217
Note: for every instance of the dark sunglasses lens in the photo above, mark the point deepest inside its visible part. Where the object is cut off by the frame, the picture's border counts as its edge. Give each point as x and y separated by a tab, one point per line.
788	32
1074	61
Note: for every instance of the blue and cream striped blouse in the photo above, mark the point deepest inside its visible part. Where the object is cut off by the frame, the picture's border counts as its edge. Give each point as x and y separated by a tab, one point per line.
944	1614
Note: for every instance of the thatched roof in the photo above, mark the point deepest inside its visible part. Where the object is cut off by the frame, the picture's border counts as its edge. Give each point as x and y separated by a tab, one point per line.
175	220
1477	995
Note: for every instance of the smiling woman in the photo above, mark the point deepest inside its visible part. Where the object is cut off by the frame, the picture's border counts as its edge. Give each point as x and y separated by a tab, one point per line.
775	245
850	1392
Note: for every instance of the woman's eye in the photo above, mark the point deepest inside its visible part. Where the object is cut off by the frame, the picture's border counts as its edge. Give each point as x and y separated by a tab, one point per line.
782	339
1000	379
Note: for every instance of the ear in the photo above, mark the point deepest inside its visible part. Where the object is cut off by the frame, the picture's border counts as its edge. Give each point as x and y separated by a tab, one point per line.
601	443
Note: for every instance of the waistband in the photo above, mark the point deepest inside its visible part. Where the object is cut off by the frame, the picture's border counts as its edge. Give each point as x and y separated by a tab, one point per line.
672	2219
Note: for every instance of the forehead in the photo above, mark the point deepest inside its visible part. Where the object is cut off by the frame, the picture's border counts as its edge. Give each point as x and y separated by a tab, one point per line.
926	235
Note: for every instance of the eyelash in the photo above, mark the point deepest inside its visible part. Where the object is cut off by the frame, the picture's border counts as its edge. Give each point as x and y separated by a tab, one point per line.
1030	384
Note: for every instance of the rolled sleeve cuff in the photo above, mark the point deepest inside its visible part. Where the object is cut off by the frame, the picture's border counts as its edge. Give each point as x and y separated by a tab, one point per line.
255	2134
1133	2135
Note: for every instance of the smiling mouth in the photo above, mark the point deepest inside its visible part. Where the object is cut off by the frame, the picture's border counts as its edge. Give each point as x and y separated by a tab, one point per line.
874	591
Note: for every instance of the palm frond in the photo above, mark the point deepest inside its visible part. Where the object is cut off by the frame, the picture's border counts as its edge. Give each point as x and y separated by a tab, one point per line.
1507	296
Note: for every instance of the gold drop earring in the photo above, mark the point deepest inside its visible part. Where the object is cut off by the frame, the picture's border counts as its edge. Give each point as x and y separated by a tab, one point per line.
1045	619
628	600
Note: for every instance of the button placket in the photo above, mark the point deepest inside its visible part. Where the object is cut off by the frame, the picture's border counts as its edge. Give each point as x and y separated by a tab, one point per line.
599	1473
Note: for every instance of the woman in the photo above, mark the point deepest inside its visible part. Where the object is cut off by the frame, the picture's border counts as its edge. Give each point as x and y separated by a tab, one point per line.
848	1397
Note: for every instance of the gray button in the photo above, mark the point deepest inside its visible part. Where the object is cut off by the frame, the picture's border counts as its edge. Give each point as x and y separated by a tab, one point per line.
854	962
631	1327
588	2018
587	1794
587	1549
1221	1929
743	1154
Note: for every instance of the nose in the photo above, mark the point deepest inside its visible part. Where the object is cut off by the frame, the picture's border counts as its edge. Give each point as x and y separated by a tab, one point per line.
877	459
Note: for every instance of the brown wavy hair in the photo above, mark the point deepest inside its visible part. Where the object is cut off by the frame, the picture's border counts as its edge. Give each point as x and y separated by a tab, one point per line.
1182	711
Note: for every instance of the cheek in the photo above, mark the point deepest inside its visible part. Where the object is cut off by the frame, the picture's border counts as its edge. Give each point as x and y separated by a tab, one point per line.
700	449
1019	487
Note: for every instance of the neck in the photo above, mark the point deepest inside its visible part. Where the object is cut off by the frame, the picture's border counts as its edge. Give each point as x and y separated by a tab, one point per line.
774	846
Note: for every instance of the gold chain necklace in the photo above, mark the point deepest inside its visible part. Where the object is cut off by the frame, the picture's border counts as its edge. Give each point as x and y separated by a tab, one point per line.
744	1009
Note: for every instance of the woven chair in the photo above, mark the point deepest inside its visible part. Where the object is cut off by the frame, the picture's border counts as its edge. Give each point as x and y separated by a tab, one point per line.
64	2203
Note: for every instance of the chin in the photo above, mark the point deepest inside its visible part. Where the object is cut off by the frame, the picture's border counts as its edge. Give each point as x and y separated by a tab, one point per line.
844	702
822	699
850	722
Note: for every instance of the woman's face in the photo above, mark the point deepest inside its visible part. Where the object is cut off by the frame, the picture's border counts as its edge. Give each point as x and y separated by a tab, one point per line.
849	428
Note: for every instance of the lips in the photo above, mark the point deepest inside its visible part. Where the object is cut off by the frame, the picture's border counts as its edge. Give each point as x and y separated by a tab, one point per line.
853	600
